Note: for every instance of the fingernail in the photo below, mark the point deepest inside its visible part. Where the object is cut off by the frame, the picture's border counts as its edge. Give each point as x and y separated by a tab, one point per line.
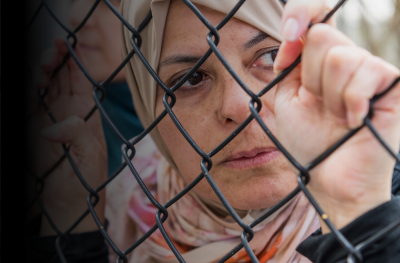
289	31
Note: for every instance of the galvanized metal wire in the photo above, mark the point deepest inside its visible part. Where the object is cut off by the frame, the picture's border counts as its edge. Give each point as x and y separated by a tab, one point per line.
213	39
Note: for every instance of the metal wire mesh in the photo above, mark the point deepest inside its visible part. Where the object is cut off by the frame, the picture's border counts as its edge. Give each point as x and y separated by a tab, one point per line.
354	252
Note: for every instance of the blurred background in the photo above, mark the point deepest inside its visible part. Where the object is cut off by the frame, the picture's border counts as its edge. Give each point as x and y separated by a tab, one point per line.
372	24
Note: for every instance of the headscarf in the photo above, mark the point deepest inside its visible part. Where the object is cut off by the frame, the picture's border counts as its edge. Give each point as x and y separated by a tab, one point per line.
262	14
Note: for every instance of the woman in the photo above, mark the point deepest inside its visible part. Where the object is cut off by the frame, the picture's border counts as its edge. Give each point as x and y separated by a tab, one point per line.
320	100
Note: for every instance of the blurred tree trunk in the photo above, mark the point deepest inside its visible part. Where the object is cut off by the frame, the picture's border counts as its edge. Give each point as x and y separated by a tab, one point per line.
367	32
396	29
382	40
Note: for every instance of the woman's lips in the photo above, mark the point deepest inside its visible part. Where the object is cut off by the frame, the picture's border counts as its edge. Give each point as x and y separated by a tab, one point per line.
252	158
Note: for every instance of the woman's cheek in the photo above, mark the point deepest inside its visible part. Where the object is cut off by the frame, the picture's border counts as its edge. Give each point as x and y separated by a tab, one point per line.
268	100
197	116
182	152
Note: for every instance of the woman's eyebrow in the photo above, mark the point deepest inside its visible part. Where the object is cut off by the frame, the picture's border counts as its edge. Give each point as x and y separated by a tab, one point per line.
179	59
254	41
189	59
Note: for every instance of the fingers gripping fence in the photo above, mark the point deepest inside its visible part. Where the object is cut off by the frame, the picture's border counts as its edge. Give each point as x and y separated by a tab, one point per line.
255	104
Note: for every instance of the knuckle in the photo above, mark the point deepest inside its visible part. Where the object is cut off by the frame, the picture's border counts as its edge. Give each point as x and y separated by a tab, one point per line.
318	35
336	58
345	58
380	66
374	64
351	96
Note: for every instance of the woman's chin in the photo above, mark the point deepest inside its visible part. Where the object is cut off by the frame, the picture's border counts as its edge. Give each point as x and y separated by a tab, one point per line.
256	192
265	198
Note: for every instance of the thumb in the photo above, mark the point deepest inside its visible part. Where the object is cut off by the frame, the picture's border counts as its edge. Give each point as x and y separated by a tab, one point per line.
72	130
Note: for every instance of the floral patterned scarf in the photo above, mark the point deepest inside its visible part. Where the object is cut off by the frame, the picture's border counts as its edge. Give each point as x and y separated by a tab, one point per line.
197	232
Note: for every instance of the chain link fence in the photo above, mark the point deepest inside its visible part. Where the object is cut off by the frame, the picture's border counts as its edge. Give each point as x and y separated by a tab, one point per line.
303	177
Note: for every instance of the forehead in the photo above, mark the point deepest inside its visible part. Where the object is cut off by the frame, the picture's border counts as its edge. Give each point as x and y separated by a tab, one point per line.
185	32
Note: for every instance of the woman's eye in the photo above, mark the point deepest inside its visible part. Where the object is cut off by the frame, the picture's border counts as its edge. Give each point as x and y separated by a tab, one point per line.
195	79
266	60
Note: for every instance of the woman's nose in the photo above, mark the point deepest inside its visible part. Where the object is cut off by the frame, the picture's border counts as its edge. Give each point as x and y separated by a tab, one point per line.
235	102
79	11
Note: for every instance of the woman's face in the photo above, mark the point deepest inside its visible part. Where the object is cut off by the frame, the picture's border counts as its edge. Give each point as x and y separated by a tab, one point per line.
250	171
99	40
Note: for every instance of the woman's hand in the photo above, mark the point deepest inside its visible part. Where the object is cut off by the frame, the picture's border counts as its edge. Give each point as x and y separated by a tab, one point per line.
69	99
322	99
